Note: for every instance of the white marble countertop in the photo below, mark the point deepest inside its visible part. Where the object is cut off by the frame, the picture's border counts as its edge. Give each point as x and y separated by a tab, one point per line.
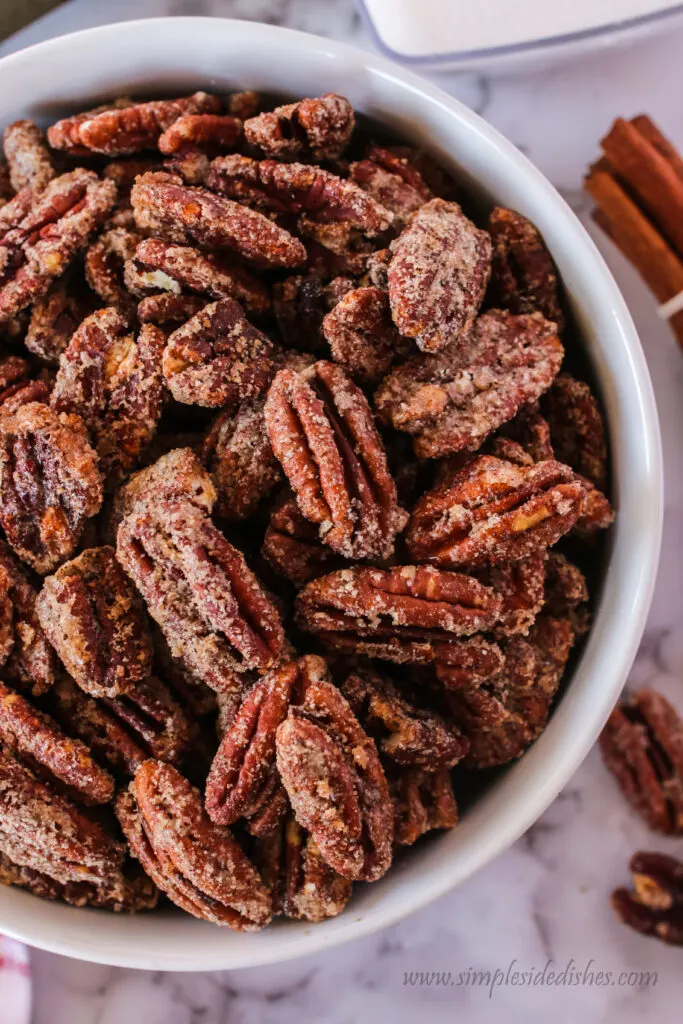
547	897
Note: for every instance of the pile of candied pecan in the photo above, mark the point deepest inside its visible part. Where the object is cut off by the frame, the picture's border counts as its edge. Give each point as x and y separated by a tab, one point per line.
224	323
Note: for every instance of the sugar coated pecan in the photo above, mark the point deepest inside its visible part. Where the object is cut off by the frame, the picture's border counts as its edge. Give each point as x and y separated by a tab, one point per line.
169	308
319	128
493	511
422	801
530	432
39	245
238	453
404	733
335	783
399	607
565	585
319	195
177	474
523	277
44	830
22	393
576	428
216	276
392	181
94	620
37	740
454	400
28	158
642	745
124	172
217	358
597	512
199	590
113	381
218	131
164	206
362	336
243	776
129	129
293	547
54	318
522	585
322	431
655	904
244	104
197	864
104	262
438	275
49	484
30	662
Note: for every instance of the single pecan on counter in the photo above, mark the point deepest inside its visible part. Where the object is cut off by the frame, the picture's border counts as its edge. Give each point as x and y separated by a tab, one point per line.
50	484
319	128
28	158
199	866
453	400
411	613
642	745
167	208
655	904
94	619
523	276
198	588
322	431
217	358
493	511
422	801
303	885
335	782
125	128
113	381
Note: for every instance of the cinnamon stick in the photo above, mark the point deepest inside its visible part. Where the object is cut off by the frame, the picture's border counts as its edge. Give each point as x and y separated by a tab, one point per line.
649	175
649	130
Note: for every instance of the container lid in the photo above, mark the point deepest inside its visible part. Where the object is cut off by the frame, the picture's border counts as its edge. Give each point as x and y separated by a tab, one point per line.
423	30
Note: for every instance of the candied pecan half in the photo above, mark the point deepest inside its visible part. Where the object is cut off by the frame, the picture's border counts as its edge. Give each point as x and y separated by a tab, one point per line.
454	400
31	663
124	172
300	304
655	905
201	593
362	335
523	276
319	128
28	158
399	607
124	731
54	318
164	206
104	262
94	620
13	371
320	196
404	733
244	104
127	891
44	830
528	431
217	131
422	801
168	308
217	358
113	381
49	484
438	275
129	129
391	181
565	585
322	431
178	474
642	745
335	782
216	276
304	887
199	866
597	512
240	457
22	393
293	547
493	511
38	741
243	775
39	246
521	584
576	428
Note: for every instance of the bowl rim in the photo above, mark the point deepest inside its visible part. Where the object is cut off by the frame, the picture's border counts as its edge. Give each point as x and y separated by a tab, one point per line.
626	593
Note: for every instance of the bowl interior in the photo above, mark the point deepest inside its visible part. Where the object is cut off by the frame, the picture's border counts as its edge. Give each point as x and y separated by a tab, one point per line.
177	55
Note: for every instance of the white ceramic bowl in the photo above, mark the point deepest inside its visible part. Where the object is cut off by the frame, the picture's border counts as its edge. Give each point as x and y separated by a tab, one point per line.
182	54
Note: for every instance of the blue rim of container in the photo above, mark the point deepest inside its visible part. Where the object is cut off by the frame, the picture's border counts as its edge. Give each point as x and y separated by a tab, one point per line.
622	27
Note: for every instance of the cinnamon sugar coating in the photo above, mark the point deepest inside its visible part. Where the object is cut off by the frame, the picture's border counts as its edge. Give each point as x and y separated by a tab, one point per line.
205	130
54	318
362	336
30	663
523	276
29	160
319	128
